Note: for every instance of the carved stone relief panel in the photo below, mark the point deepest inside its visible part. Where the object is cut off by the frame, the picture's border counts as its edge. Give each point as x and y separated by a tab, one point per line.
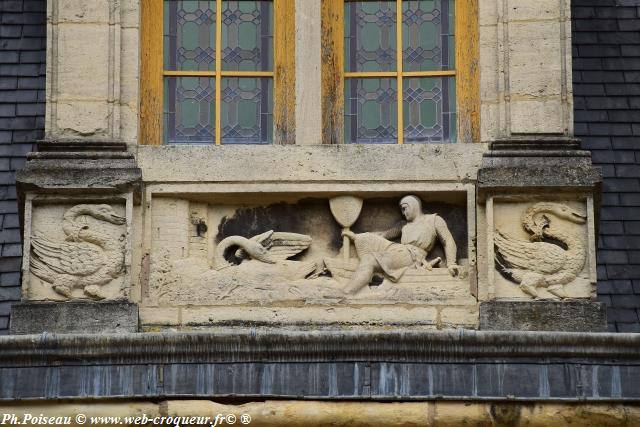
75	251
341	250
541	249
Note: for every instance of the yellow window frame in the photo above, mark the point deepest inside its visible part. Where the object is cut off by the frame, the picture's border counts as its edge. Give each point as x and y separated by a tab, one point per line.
466	73
152	72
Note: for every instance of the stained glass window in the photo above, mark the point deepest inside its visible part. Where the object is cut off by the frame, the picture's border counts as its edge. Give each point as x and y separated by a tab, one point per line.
399	63
218	71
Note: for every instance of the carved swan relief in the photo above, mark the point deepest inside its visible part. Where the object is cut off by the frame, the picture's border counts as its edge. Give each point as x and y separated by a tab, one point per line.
270	248
86	259
537	263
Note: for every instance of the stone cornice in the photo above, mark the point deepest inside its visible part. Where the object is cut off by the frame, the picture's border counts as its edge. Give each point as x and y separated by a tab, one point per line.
461	346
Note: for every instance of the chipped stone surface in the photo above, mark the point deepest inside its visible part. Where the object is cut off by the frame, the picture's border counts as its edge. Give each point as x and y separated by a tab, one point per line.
74	317
565	316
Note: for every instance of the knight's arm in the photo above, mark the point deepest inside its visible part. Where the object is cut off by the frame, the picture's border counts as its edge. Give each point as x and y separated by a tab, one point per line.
446	239
392	233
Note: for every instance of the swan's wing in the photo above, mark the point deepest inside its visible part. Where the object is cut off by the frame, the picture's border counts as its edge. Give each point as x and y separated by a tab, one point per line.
260	238
285	245
75	258
540	257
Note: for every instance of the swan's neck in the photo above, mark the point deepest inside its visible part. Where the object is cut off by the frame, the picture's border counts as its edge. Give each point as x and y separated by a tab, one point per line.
218	260
576	247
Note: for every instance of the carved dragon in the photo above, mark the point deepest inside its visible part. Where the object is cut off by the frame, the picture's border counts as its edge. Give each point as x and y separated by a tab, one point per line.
537	263
269	248
86	259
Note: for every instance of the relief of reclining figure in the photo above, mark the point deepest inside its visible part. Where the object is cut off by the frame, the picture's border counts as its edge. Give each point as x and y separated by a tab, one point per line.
282	266
379	254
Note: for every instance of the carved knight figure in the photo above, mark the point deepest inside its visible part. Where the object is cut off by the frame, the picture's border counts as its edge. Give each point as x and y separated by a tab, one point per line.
379	254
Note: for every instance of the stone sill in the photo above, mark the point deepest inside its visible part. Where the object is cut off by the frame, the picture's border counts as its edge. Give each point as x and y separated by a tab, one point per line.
317	163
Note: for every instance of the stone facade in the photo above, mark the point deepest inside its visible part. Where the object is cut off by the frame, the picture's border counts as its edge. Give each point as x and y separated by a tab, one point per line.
198	201
335	272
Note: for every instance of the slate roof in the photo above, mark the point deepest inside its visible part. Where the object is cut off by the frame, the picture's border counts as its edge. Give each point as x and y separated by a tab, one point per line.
22	96
606	76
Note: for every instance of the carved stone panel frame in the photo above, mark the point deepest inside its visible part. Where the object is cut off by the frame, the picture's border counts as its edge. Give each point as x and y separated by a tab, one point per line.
323	313
495	216
123	206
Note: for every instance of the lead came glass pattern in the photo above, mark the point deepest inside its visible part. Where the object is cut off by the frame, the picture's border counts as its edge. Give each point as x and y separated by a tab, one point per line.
428	39
189	35
189	110
218	71
370	35
247	35
422	79
429	110
371	113
246	110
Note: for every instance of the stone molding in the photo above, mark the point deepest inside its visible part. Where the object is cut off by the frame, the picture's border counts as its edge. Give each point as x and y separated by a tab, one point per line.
454	365
283	347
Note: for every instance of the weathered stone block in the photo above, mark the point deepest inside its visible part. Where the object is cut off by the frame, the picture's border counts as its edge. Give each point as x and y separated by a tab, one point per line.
535	59
459	316
83	11
74	317
524	10
82	118
83	69
162	316
538	116
565	316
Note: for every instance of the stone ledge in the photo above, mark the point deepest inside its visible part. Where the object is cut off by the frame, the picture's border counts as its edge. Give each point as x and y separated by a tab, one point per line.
74	317
455	365
566	316
249	345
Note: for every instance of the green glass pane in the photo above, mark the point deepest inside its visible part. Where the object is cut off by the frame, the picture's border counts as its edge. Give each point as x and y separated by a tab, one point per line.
429	105
247	110
428	37
370	35
247	35
189	35
371	111
189	110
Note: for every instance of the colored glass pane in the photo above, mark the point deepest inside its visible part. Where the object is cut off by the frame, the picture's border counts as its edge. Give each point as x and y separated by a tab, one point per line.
429	106
428	35
370	35
371	112
247	116
189	110
247	35
189	35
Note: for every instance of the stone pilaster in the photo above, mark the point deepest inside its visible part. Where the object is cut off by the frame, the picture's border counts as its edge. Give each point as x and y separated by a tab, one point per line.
76	201
92	70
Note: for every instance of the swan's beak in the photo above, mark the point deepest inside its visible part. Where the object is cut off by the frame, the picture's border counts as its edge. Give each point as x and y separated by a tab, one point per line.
579	217
117	219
